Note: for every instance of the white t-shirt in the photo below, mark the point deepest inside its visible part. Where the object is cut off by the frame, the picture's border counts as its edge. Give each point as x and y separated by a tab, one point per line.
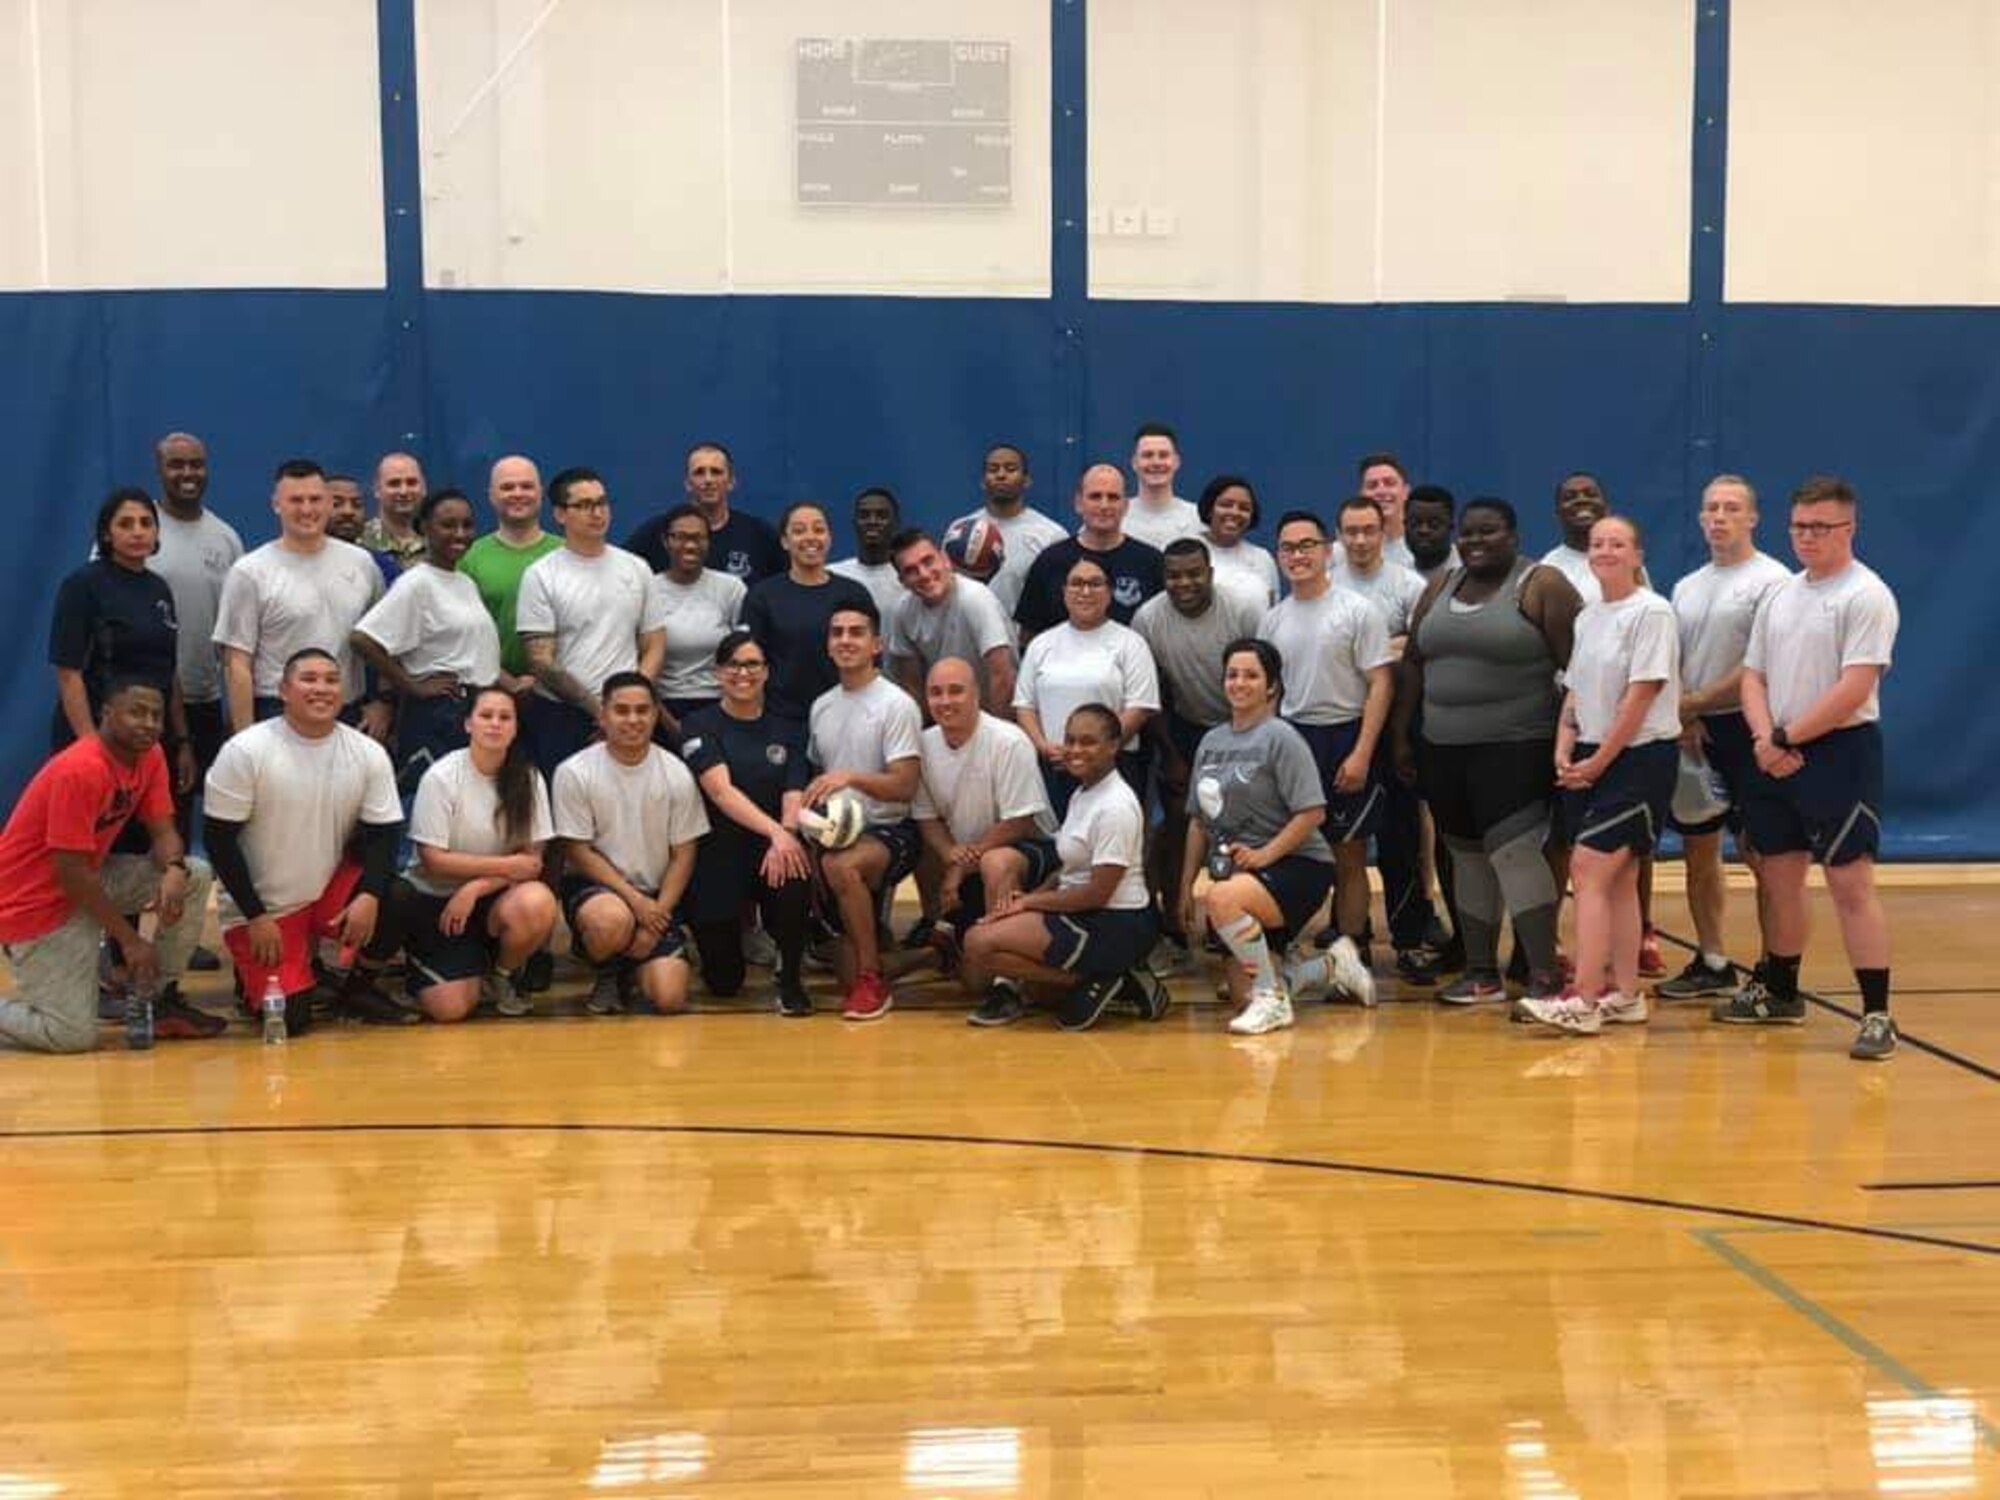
1065	668
1328	645
276	602
993	776
1575	566
1104	826
1246	569
1716	607
1024	536
880	579
1158	525
967	624
458	810
300	800
195	557
433	620
697	616
595	607
1392	588
866	729
635	816
1634	640
1809	631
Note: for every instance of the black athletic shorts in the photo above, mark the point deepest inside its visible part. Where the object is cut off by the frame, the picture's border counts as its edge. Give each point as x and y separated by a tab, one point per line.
576	890
1830	808
1627	808
1349	815
1043	864
439	957
1299	885
1474	788
1100	944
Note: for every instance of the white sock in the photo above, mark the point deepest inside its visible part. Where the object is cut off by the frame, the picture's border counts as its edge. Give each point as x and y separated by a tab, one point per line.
1714	960
1245	938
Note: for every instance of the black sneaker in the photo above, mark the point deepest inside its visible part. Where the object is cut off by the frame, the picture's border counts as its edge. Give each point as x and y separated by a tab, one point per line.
1698	981
918	937
538	973
1003	1006
1756	1005
1141	993
1417	966
1084	1006
361	1001
793	999
204	961
175	1019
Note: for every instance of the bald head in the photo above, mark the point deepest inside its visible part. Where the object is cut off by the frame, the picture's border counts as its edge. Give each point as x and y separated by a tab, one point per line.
951	692
1100	503
399	487
181	459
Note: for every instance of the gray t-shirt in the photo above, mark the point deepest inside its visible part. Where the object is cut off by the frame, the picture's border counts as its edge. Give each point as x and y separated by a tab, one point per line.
1265	776
698	615
968	624
195	557
1329	645
1188	651
1392	588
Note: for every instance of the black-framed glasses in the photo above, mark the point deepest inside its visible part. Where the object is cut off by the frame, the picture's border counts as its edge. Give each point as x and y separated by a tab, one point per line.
745	666
1301	549
1818	529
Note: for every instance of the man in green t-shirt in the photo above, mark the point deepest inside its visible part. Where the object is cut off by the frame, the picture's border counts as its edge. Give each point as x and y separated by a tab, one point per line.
497	560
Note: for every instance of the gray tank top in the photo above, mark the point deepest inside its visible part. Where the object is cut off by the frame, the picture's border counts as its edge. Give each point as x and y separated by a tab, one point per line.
1488	674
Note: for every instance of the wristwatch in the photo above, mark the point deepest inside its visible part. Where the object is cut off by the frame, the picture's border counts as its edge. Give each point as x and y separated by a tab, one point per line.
1781	739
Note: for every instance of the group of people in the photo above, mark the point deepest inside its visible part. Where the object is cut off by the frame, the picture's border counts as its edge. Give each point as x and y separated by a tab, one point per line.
409	740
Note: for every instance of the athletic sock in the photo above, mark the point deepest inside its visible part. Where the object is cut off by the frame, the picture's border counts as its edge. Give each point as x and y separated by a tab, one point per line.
1874	990
1781	972
1715	961
1245	939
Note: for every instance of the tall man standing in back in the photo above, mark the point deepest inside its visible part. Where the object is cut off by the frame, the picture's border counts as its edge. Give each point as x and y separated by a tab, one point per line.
1133	567
399	490
739	544
1157	515
1024	531
197	550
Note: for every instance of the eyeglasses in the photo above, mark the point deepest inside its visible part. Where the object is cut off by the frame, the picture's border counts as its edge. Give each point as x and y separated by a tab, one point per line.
684	537
1817	529
1086	585
1300	549
585	505
744	666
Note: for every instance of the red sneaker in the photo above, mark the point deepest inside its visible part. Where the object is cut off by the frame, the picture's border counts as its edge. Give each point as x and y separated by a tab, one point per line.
868	1000
1652	965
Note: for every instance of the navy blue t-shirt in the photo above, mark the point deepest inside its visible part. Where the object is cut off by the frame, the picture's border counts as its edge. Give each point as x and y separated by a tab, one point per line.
789	620
766	758
1137	572
746	548
112	622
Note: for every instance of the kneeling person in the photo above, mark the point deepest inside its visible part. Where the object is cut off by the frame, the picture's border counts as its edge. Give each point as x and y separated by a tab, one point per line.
474	905
629	815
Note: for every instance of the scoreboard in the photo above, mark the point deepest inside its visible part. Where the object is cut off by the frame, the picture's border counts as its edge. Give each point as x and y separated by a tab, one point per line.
885	123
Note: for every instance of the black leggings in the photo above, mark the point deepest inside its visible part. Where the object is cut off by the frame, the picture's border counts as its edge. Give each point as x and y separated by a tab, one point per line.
720	943
1472	788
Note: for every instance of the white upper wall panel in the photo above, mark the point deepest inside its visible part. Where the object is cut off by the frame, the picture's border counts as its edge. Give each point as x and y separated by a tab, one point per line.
211	143
652	146
1864	152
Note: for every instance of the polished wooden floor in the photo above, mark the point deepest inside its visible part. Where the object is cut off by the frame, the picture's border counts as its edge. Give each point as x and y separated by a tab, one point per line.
1403	1252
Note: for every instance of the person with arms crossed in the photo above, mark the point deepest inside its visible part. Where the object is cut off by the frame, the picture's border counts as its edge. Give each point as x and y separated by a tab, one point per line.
629	815
864	735
1811	686
1715	606
1132	566
1024	531
1157	515
878	516
62	889
474	908
302	823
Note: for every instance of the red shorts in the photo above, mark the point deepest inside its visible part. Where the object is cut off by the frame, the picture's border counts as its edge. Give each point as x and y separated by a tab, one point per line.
301	931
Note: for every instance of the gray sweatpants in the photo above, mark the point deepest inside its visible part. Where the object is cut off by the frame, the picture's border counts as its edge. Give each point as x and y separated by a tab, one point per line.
56	975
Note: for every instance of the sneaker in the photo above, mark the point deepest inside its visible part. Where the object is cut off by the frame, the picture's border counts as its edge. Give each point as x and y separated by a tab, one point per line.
1172	960
1473	989
1698	981
1003	1006
919	936
1622	1010
506	995
759	949
1755	1005
175	1019
944	943
204	961
607	992
1084	1006
1652	965
111	1002
538	973
793	999
1350	973
1417	967
361	1001
1876	1039
1570	1013
1268	1010
868	999
1141	993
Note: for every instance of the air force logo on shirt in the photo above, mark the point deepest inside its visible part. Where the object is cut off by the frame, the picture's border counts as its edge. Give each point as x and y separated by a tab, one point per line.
777	755
1128	592
739	564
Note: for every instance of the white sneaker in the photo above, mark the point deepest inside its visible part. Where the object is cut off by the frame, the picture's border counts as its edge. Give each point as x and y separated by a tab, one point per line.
506	997
1268	1010
1350	974
758	949
1564	1012
1622	1010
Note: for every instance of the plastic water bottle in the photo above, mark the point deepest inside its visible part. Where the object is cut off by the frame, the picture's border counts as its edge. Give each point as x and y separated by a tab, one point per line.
139	1018
274	1013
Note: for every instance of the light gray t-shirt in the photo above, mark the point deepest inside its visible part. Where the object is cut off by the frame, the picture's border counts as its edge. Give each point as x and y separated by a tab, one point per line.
1716	607
458	810
1247	568
992	777
1167	523
880	579
635	816
1023	536
1329	645
697	616
276	602
1809	631
595	607
195	558
1633	640
432	620
1265	776
867	730
1574	565
1188	651
1392	588
967	624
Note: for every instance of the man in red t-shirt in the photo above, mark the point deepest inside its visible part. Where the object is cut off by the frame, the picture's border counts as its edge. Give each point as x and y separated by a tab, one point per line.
61	889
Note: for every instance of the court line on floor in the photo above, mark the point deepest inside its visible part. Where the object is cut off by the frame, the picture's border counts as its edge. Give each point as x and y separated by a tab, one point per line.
1022	1143
1856	1342
1949	1186
1909	1039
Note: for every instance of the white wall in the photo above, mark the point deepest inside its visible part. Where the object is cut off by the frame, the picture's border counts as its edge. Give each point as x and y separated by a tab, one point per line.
202	143
1406	150
1864	152
646	145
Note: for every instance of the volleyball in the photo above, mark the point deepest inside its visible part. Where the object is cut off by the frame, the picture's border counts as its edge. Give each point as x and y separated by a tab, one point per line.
837	822
975	546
